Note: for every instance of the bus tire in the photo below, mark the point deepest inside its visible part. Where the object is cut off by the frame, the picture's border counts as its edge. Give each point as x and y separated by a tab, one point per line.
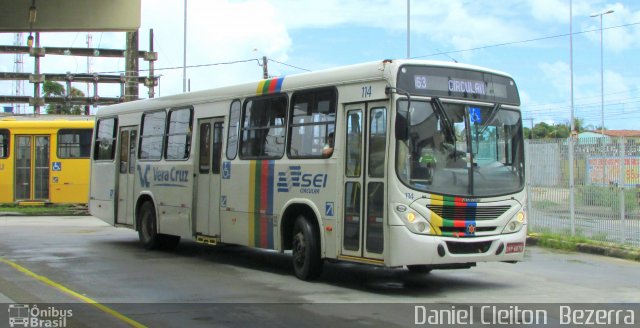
307	264
147	231
420	269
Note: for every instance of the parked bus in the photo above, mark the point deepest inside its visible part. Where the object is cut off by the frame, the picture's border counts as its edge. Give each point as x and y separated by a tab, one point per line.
426	171
45	160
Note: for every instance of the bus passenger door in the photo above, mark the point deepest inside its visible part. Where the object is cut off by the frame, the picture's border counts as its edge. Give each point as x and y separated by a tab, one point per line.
207	196
32	158
365	184
127	164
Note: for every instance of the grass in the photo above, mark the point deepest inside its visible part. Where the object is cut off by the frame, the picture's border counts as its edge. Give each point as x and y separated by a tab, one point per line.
581	243
48	210
544	204
557	241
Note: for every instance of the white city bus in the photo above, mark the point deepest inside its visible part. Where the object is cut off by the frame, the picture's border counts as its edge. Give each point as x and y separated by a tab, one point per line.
426	171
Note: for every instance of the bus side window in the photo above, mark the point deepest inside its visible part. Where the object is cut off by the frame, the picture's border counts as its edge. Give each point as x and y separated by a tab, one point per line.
152	135
4	143
313	122
74	143
234	124
105	147
179	134
263	127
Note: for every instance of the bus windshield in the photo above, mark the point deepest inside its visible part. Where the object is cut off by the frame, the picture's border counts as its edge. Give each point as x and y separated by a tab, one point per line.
460	149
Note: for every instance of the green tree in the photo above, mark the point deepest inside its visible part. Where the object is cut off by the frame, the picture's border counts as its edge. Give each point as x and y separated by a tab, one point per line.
543	130
54	89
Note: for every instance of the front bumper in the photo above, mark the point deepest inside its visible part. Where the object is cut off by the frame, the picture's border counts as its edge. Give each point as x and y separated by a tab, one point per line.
407	248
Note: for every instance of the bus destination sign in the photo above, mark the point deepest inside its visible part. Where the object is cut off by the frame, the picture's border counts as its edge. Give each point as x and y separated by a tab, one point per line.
457	83
463	86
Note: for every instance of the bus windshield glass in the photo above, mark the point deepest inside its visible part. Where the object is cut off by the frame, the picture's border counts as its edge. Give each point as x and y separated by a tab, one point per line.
460	149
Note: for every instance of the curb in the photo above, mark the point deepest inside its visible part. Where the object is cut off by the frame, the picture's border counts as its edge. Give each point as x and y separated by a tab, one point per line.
11	214
42	214
611	251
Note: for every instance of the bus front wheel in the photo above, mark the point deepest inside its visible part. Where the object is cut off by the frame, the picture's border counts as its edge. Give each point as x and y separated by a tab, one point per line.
307	264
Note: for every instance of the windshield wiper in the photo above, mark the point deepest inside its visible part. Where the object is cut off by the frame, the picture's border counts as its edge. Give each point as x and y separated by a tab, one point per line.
442	115
492	115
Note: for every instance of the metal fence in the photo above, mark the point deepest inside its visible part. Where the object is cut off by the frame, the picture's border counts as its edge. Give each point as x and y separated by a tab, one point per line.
606	188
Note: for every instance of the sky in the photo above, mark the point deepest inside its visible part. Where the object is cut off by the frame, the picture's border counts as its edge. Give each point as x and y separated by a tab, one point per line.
528	39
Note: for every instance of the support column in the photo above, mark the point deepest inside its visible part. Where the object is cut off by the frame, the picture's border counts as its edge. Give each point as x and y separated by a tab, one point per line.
131	67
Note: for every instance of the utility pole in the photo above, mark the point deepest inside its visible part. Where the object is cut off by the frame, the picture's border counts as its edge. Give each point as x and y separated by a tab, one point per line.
531	130
18	86
89	62
38	78
265	70
131	67
151	82
602	70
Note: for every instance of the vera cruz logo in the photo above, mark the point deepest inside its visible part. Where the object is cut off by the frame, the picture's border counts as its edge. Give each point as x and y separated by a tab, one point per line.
169	177
144	180
308	183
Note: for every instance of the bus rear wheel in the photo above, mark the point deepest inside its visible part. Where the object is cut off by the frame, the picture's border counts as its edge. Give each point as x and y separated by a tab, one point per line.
147	231
307	264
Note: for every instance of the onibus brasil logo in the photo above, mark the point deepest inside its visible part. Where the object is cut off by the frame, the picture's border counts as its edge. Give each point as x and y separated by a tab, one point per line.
25	315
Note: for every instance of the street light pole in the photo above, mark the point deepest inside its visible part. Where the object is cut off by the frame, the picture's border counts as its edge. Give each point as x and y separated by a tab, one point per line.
602	70
572	212
408	29
184	50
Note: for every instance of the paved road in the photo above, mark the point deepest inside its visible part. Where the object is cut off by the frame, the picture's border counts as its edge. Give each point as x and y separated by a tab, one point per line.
201	285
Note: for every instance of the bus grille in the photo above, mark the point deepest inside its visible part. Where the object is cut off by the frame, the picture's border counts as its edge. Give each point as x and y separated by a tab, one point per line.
469	212
462	231
468	248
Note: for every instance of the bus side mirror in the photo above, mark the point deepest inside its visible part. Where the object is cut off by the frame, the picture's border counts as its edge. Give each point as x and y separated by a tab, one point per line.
402	128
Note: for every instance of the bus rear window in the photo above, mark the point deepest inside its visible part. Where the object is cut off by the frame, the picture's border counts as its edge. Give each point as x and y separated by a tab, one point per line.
74	143
105	144
4	143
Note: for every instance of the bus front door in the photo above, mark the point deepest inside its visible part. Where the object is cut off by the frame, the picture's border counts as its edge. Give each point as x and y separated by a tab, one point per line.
363	220
32	157
127	160
207	195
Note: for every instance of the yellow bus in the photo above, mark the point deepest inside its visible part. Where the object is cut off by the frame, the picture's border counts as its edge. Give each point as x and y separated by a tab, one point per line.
44	160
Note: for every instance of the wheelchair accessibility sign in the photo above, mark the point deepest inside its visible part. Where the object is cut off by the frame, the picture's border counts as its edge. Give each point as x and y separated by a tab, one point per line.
474	115
56	166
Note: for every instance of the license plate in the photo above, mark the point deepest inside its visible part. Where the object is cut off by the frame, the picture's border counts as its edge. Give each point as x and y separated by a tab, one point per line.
515	248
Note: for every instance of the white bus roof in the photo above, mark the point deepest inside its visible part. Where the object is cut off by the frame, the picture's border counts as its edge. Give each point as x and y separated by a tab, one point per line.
369	71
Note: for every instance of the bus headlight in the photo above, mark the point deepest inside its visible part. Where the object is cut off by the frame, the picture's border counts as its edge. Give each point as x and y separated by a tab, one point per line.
516	223
416	223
